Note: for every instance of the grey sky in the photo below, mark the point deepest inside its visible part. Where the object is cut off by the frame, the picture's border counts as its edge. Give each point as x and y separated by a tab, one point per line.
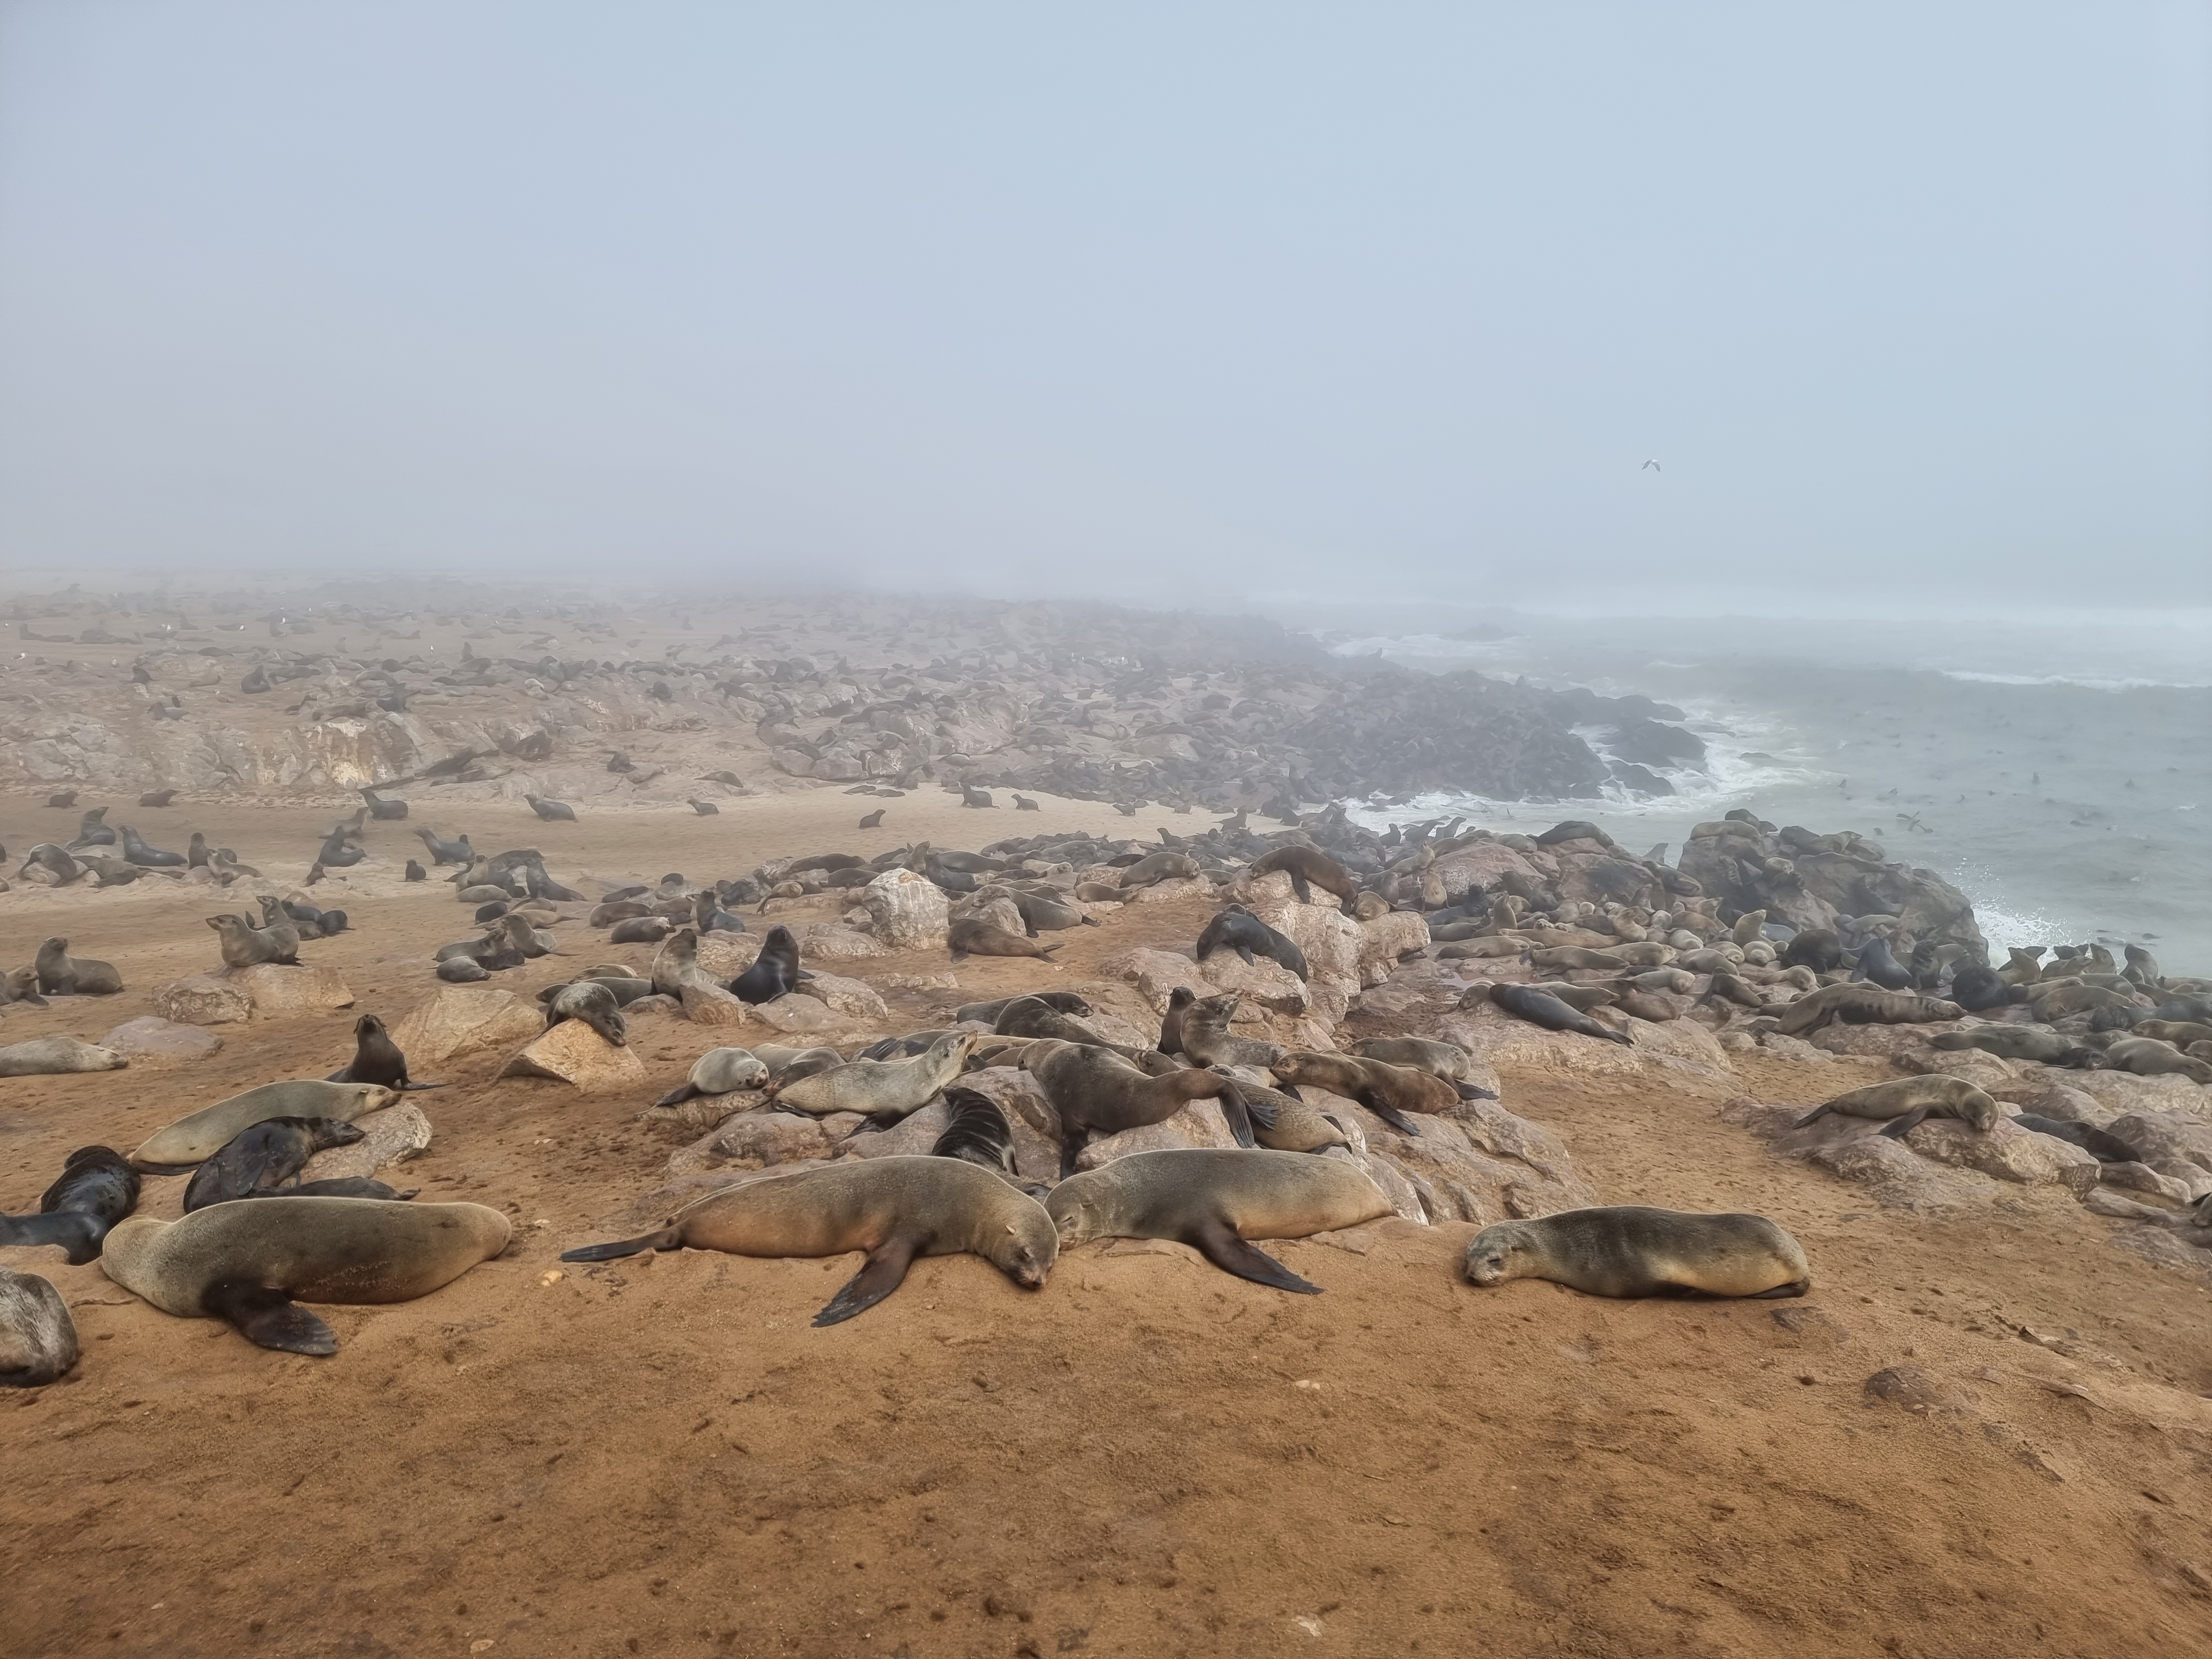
1128	300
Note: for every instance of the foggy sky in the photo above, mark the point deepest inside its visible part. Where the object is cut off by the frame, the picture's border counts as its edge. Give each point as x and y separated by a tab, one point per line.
1909	301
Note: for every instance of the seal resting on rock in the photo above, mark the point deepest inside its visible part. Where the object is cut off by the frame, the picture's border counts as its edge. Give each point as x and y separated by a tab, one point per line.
1629	1250
246	1263
894	1208
1096	1091
1214	1200
1910	1100
1235	928
1861	1005
1542	1008
1308	869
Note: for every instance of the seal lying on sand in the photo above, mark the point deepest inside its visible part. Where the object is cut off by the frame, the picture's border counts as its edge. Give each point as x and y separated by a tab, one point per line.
1214	1199
1633	1250
95	1189
971	937
1910	1100
61	974
38	1338
246	1263
894	1208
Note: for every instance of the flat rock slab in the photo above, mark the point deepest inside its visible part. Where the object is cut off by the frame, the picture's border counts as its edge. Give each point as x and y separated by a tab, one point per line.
202	1000
573	1053
389	1137
460	1018
792	1012
710	1005
848	996
152	1038
725	956
829	940
277	991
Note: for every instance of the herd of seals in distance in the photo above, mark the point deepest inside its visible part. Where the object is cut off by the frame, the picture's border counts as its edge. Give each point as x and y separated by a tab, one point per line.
1565	936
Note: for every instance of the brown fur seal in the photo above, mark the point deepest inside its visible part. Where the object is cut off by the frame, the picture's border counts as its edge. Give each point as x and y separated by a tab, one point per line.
789	1065
53	1056
1287	1122
594	1001
1445	1059
882	1089
1235	928
774	971
1629	1250
1862	1004
245	945
1907	1101
1389	1091
641	930
2035	1042
1542	1008
1096	1092
377	1058
1179	1002
193	1139
2148	1057
1214	1200
1308	870
61	975
894	1208
246	1263
1159	867
718	1071
95	1189
986	1013
38	1338
1207	1038
267	1154
979	1134
971	937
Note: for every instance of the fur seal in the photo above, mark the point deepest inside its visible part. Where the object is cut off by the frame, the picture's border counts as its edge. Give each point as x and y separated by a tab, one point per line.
1907	1101
894	1208
246	1263
463	970
38	1338
1236	928
789	1065
1157	867
718	1071
1389	1091
551	811
1207	1038
774	971
592	1001
2035	1042
1976	988
873	819
641	930
1861	1005
152	857
2104	1147
978	1132
1447	1060
95	1189
1631	1251
447	852
245	945
1875	963
1542	1008
971	937
377	1058
1286	1123
884	1089
1042	912
61	974
191	1140
2148	1057
1096	1091
1215	1200
1308	869
1179	1002
49	865
336	1187
416	872
1033	1017
986	1013
56	1056
267	1154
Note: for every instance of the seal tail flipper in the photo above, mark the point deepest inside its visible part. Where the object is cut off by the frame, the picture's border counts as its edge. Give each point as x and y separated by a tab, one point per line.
1218	1242
1391	1115
1794	1287
1898	1128
678	1096
1238	1112
665	1239
1812	1117
883	1272
344	1074
1245	951
1468	1091
883	1050
269	1319
79	1234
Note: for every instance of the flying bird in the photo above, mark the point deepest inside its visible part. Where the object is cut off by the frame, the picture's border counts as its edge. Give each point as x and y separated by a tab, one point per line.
1652	466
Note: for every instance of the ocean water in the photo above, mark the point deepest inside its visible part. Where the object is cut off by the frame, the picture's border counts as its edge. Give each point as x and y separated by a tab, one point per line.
2056	770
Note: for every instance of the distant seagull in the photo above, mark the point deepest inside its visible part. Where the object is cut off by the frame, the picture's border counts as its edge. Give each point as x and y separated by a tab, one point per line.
1653	465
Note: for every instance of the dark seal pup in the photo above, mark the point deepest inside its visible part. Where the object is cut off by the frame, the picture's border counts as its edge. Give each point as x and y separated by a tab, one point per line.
894	1208
1629	1250
1308	870
1542	1008
1214	1199
775	970
96	1188
376	1059
267	1154
1238	929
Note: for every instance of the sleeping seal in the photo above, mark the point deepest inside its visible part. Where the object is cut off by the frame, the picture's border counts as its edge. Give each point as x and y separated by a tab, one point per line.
246	1263
1907	1101
191	1140
95	1189
894	1208
1632	1250
1541	1008
718	1071
266	1154
1213	1199
970	937
38	1338
886	1090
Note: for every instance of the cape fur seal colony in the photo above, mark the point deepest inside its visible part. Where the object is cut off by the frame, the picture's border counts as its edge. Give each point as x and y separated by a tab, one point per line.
252	1264
1214	1200
894	1208
1630	1250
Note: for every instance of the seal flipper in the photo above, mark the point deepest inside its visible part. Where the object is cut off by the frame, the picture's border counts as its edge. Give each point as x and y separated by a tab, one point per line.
665	1239
1238	1113
1300	887
1794	1287
344	1074
883	1272
1468	1091
1812	1117
1391	1115
1218	1242
407	1088
1896	1129
269	1319
678	1096
1245	951
78	1234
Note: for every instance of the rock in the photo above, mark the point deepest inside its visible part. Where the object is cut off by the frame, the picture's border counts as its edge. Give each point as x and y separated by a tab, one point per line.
710	1005
1785	1048
831	941
794	1012
665	1007
573	1053
1466	1171
1262	982
723	956
391	1136
2142	1178
2008	1152
996	910
1680	1047
202	1000
754	1139
2124	1092
1485	864
906	911
1164	892
687	1119
1388	939
151	1037
1016	1093
846	997
2161	1138
911	1137
1881	1041
1199	1124
277	990
1898	1177
1914	1388
459	1019
1154	973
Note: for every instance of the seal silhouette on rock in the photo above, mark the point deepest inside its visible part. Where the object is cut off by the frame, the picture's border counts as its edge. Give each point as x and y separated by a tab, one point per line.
1307	868
1632	1250
252	1264
1235	928
774	971
1215	1200
894	1208
1096	1091
377	1058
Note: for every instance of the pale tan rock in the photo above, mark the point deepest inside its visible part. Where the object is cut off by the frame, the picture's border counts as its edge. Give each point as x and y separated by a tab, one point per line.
1389	938
2006	1151
754	1140
1162	892
202	1000
573	1053
795	1014
906	911
723	956
391	1136
1199	1124
277	990
850	998
1486	863
831	941
1263	983
153	1038
458	1019
710	1005
1154	973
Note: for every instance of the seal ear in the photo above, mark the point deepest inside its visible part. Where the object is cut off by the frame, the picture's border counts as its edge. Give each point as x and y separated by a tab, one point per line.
270	1319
